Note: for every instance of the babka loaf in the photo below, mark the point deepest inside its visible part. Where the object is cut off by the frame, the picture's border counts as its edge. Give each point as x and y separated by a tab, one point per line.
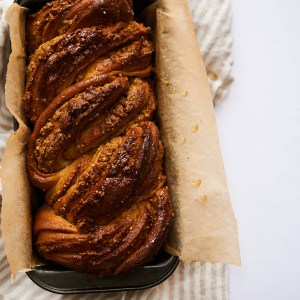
94	151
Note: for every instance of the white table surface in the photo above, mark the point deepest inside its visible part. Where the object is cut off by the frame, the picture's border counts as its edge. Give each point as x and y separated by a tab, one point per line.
259	128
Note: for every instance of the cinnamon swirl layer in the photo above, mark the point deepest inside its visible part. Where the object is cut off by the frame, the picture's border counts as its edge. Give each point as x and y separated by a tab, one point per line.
56	64
65	16
84	116
128	241
96	188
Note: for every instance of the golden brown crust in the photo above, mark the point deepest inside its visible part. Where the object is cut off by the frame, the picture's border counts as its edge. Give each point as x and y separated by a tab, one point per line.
57	63
94	150
130	240
121	172
133	59
65	16
84	116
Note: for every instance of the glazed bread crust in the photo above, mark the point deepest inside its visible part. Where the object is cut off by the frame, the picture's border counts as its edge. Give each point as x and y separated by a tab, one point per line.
56	64
62	16
130	240
94	151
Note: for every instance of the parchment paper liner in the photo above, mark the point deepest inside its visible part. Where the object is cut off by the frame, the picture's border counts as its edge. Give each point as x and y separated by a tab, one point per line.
204	228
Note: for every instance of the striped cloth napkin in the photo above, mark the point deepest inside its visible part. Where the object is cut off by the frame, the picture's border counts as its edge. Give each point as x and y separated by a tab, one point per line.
212	19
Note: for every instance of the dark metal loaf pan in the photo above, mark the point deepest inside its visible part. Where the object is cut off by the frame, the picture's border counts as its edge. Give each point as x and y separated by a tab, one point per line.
57	279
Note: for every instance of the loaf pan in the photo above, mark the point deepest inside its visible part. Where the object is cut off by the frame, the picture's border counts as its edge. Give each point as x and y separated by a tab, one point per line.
59	280
62	281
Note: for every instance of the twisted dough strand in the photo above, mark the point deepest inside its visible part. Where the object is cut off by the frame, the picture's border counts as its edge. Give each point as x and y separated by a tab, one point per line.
56	64
130	240
65	16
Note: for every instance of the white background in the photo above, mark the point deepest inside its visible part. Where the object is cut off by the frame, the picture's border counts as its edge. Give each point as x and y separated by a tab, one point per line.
259	128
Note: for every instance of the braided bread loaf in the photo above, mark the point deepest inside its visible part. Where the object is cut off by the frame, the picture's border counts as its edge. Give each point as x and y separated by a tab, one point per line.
94	150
